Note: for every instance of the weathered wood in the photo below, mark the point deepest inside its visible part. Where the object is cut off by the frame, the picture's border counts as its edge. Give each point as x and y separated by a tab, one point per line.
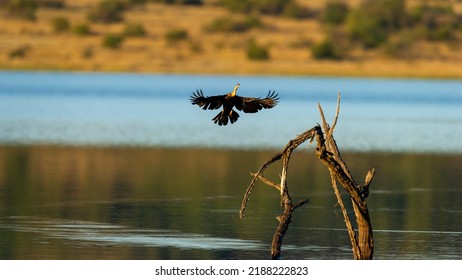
288	149
362	245
328	153
284	221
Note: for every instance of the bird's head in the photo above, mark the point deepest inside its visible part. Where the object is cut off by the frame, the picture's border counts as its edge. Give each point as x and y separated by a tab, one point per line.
235	89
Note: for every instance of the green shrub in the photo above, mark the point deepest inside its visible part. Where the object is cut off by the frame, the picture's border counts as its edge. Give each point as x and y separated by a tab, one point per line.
256	52
326	50
335	12
81	29
440	33
374	20
230	24
271	7
390	13
189	2
435	23
112	41
176	35
365	29
107	11
293	10
60	24
182	2
22	9
136	2
241	6
53	4
134	30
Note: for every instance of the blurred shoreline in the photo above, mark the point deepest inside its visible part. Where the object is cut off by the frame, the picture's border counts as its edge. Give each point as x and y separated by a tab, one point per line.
64	39
212	150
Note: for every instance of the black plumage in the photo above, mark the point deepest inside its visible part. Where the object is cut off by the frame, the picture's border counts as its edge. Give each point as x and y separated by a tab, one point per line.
231	100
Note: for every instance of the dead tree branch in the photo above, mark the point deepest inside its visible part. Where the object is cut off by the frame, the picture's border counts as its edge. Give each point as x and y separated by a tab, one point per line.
286	201
327	151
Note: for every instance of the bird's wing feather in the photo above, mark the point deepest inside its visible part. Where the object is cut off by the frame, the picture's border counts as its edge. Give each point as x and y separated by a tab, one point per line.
207	102
253	105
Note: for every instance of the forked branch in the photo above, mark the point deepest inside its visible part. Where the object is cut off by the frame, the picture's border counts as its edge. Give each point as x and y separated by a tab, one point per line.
327	151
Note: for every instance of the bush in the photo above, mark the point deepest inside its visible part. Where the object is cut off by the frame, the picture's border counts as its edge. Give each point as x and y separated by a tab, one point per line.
112	41
256	52
136	2
271	7
107	11
326	50
134	30
22	9
81	29
189	2
293	10
60	24
176	35
53	4
366	29
241	6
229	24
335	12
390	13
435	23
374	20
441	33
183	2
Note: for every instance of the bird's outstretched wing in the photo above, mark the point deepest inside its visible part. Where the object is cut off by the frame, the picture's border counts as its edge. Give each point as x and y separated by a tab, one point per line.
207	102
253	105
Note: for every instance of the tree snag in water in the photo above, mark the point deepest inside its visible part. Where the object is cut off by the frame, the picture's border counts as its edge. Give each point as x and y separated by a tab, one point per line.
328	153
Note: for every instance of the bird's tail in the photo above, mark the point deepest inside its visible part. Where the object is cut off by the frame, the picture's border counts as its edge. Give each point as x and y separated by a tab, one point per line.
233	116
222	118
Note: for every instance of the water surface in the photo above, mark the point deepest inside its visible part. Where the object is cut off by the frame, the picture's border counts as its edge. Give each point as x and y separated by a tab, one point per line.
154	110
122	166
157	203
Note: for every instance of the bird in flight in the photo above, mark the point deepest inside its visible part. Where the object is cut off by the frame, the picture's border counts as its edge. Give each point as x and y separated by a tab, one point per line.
231	100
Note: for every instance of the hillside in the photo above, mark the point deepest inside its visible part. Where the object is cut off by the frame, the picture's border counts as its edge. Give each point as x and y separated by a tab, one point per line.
209	38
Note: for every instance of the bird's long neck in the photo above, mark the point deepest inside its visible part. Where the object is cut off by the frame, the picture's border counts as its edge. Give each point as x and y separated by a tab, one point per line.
235	89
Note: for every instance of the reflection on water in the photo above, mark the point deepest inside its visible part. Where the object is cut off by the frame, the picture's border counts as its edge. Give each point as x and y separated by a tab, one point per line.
152	203
100	233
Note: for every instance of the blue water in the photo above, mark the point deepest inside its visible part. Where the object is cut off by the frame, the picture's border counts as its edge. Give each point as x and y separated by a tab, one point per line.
154	110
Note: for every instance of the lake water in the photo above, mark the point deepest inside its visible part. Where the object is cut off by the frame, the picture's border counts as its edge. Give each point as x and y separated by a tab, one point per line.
119	166
154	110
156	203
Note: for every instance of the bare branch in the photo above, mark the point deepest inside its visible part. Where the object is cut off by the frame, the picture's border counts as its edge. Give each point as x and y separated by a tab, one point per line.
252	183
369	176
300	203
292	145
334	123
327	151
268	182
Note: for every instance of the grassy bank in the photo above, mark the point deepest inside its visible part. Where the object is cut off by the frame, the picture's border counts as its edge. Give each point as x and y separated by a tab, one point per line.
182	39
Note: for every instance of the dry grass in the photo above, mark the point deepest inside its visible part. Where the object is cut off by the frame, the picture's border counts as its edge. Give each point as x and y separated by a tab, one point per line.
202	52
